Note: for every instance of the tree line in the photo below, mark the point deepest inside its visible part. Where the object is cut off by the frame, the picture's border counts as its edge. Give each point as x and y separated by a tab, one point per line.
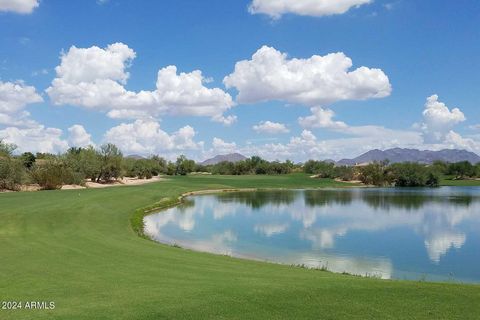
78	165
107	163
406	174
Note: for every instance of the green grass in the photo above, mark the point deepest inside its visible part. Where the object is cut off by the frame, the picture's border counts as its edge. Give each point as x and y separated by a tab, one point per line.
460	183
78	248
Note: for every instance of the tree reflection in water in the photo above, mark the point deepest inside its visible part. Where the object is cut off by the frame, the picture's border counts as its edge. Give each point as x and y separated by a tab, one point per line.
358	230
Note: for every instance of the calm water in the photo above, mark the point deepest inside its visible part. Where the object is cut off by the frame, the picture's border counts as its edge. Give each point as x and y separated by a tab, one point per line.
427	234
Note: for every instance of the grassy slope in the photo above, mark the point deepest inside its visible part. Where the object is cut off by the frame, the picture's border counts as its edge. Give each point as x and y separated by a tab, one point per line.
460	183
78	249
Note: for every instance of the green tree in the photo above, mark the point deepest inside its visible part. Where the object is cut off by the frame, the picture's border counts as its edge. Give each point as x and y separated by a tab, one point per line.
143	168
409	174
461	170
184	165
321	168
12	172
433	179
90	163
345	173
85	163
110	162
171	168
6	149
375	174
440	166
255	161
161	165
28	159
224	168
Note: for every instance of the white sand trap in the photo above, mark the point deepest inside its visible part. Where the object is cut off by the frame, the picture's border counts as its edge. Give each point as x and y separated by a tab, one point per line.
123	182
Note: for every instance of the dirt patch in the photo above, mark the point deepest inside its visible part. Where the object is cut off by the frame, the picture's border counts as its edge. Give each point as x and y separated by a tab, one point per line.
123	182
349	181
93	185
30	187
72	187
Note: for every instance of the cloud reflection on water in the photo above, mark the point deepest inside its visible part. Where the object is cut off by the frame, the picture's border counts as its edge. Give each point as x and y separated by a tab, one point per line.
320	217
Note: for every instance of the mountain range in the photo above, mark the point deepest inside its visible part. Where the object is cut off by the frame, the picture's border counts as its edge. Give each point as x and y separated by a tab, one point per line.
392	155
135	157
413	155
231	157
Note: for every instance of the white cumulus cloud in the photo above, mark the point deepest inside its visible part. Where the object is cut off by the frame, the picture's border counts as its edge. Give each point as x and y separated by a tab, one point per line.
88	65
14	97
79	137
270	127
19	6
35	139
316	81
184	94
455	140
439	119
222	147
95	78
316	8
321	118
145	137
19	128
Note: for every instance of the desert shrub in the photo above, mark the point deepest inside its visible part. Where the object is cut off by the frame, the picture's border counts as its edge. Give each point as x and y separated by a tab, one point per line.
201	168
441	167
223	168
143	169
375	174
461	170
344	173
412	175
253	165
85	163
12	173
159	165
405	174
321	168
433	179
51	174
6	149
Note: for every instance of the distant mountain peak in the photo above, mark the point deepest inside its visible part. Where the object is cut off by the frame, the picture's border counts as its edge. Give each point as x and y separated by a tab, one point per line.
231	157
395	155
135	157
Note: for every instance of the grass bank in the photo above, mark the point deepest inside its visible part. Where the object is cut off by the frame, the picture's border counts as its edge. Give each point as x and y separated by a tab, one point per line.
78	248
460	183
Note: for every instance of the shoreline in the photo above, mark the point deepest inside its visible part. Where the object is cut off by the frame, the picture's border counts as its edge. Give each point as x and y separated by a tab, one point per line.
167	203
136	220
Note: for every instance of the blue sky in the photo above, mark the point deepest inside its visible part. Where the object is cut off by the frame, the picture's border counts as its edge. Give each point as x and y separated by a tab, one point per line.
411	51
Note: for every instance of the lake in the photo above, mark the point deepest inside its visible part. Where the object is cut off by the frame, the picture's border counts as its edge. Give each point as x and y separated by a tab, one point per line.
417	234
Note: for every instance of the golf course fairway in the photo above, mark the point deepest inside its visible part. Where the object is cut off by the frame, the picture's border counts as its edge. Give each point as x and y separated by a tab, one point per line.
78	249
